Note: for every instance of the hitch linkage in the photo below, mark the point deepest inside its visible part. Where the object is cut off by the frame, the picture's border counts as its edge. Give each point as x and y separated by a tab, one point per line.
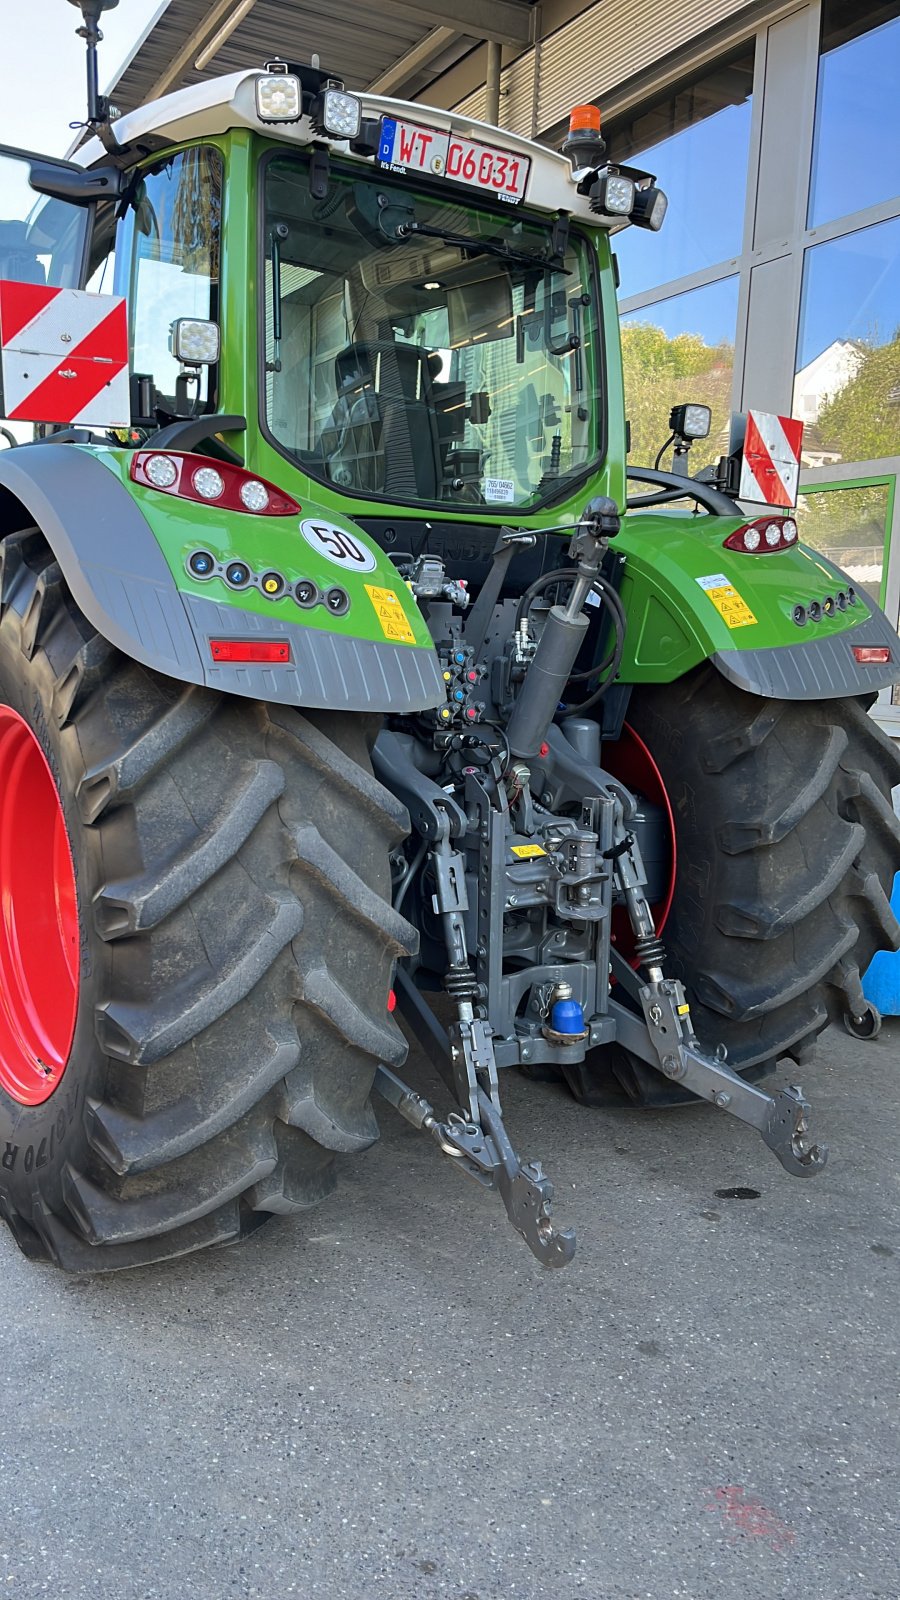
483	1151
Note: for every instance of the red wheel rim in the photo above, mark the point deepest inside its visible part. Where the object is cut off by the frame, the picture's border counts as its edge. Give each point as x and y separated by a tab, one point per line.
39	953
629	760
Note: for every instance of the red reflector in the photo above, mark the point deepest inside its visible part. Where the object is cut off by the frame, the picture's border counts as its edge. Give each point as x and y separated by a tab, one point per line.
250	650
872	655
392	1001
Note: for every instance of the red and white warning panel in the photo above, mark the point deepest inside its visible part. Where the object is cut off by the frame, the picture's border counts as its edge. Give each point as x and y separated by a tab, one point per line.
770	459
63	356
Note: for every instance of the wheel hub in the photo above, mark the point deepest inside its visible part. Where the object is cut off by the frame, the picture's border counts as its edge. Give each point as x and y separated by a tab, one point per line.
39	939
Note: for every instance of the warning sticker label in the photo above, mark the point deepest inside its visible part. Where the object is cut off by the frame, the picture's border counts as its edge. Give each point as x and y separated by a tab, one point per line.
394	622
527	852
732	608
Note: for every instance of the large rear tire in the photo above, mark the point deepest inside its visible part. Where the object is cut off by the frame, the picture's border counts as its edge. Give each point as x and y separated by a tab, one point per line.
787	846
231	864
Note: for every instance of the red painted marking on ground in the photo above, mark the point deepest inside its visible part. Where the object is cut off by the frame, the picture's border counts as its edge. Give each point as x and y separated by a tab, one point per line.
743	1514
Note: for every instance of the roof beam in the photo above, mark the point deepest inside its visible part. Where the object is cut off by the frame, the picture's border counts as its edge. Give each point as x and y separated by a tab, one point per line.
189	49
223	34
503	21
421	55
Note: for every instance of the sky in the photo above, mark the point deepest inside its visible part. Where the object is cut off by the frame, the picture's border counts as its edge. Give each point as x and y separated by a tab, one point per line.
42	74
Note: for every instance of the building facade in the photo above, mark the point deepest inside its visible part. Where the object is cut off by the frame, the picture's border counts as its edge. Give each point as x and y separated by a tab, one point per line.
775	282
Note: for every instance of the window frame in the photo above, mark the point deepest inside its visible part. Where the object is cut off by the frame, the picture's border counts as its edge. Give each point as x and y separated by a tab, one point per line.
432	508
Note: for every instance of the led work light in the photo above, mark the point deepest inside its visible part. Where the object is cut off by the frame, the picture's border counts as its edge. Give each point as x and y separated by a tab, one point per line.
337	113
690	421
279	98
612	194
194	342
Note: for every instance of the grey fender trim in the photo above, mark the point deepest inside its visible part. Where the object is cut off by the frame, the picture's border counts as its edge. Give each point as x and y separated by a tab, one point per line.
120	579
816	669
110	560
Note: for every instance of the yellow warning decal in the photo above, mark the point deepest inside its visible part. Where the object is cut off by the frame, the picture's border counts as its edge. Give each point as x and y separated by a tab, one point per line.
732	608
527	852
394	622
684	1011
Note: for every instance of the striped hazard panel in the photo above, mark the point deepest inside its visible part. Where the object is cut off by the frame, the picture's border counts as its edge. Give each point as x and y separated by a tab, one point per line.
770	466
63	356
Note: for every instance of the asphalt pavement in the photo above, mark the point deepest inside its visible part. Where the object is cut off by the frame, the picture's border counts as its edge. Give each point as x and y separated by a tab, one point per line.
388	1399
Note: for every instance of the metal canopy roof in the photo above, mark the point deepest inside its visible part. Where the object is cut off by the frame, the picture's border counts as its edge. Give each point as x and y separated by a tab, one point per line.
392	45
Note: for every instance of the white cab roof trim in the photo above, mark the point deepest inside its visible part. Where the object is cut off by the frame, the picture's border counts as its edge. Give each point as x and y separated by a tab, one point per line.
210	108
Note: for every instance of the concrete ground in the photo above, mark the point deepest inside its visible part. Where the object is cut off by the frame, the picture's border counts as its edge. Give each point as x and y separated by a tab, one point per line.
390	1399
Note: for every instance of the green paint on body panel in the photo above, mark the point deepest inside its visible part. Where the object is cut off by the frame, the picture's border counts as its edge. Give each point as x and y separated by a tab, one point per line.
322	546
675	579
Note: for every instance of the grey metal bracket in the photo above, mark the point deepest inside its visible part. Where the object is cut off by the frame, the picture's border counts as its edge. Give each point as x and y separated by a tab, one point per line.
666	1038
482	1149
667	1041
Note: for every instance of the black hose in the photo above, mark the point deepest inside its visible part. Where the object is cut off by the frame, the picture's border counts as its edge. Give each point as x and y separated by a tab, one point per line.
662	450
616	611
611	663
539	585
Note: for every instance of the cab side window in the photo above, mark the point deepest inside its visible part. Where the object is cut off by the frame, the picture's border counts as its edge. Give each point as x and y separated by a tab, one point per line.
167	264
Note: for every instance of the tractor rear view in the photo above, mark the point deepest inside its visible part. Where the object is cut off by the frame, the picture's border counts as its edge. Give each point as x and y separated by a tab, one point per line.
344	662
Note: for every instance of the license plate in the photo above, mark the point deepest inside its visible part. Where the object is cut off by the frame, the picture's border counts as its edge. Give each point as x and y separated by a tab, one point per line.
412	147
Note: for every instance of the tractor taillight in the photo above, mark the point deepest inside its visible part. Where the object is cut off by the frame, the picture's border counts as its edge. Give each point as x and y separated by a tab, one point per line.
211	483
872	655
763	536
271	651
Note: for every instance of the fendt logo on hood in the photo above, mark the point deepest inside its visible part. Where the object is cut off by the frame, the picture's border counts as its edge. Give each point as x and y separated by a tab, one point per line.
63	356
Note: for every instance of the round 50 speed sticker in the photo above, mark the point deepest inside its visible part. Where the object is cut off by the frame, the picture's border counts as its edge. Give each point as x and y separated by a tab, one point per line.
337	545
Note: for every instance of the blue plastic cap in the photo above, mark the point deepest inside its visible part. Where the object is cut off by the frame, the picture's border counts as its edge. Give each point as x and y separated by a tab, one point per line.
567	1016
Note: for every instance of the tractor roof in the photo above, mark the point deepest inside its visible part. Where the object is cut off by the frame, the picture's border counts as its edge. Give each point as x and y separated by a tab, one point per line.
220	104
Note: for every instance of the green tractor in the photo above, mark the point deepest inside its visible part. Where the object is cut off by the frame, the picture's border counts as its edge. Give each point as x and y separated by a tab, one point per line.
345	663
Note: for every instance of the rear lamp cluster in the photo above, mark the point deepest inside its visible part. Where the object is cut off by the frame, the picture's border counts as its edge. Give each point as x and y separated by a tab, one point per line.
764	536
194	477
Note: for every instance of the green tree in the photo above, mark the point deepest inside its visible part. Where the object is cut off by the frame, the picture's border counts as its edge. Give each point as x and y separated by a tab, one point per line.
862	420
662	372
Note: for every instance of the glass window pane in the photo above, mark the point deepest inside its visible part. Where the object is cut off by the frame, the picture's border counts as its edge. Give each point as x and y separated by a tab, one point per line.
167	262
857	109
847	388
848	526
680	349
696	140
433	371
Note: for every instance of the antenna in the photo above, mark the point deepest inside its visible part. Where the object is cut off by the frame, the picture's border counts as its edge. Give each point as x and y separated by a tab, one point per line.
91	11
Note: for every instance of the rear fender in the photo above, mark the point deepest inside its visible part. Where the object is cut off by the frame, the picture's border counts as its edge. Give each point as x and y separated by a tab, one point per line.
688	599
126	572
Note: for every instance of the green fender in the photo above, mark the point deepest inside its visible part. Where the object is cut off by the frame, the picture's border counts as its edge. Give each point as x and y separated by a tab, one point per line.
688	599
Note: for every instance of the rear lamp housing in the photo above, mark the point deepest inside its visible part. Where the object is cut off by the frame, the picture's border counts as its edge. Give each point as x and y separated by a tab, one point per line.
764	536
279	97
208	482
872	655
